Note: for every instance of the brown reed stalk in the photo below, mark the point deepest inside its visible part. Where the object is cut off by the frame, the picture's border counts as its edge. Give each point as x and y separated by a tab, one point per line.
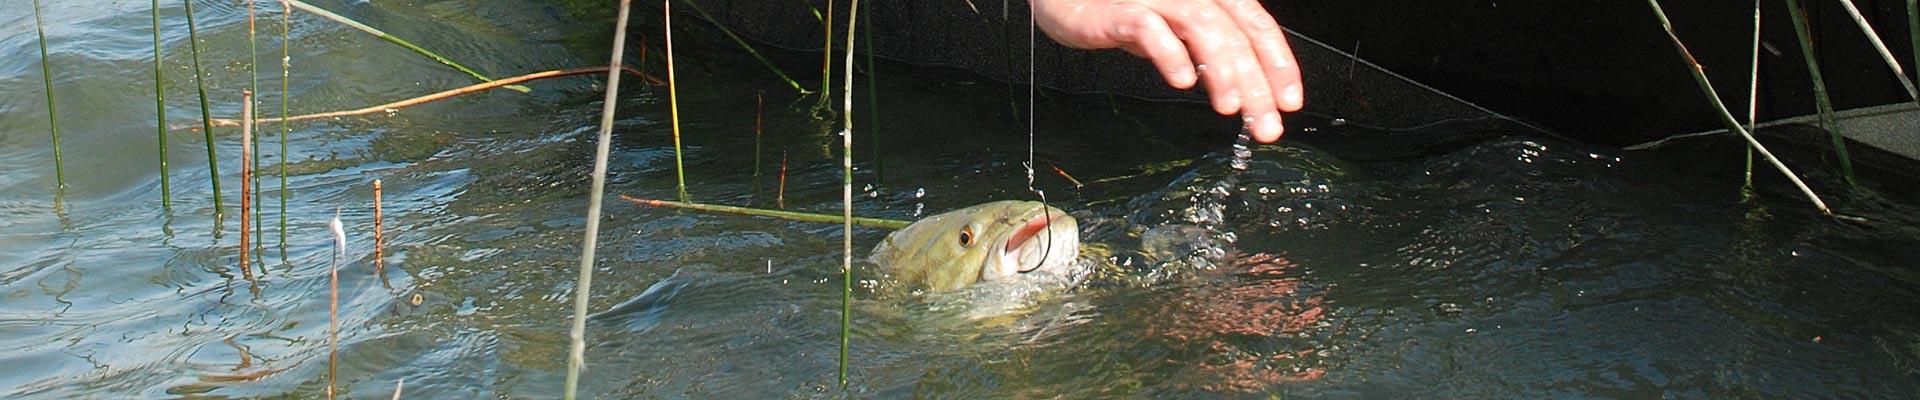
780	197
577	337
246	172
443	95
379	238
333	302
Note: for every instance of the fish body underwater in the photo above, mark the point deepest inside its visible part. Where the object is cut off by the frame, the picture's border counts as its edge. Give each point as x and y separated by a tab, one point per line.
1007	240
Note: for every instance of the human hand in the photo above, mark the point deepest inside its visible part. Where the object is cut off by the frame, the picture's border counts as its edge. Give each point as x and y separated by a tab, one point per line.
1234	44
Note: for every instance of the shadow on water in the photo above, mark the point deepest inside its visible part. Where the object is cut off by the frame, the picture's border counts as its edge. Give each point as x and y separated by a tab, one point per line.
1459	259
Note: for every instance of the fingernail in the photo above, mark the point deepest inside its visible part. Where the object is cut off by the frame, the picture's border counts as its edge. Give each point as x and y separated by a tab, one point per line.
1268	122
1291	95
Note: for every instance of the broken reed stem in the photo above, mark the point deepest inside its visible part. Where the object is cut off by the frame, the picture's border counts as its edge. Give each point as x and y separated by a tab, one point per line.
1694	68
673	103
303	6
379	238
160	109
576	351
759	212
1874	37
1753	94
443	95
743	44
846	198
286	127
1820	99
53	120
206	116
333	300
246	145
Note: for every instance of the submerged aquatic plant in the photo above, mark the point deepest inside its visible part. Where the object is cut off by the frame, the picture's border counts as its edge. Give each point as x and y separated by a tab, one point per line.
576	351
1827	121
53	120
1699	77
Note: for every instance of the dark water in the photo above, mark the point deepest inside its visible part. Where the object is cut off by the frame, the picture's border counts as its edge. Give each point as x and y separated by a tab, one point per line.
1457	260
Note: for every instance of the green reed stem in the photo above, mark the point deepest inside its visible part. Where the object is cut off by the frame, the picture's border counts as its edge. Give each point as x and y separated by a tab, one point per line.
673	103
873	109
286	127
826	56
1827	120
1726	117
1885	55
206	117
846	198
743	44
53	121
870	222
1753	94
253	86
343	20
576	354
1913	30
160	109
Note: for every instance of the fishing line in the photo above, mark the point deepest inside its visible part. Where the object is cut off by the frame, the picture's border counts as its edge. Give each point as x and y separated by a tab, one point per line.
1046	210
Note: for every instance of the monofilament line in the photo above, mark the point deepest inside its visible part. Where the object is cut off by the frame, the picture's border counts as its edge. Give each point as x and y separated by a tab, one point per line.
576	353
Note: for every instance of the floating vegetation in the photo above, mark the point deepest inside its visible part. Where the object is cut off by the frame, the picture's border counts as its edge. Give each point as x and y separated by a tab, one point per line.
758	212
206	116
383	35
53	120
1693	67
576	351
1827	120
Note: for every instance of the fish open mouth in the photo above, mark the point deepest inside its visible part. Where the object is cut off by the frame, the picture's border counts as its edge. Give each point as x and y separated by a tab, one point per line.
1026	233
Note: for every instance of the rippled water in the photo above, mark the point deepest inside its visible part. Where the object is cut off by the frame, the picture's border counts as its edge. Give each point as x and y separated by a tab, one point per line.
1460	260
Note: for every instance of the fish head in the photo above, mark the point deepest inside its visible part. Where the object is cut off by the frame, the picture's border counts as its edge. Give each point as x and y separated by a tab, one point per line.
1002	240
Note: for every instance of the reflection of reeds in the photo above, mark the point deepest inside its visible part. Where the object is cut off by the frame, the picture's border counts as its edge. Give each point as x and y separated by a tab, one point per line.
206	116
160	109
576	351
673	102
383	35
1726	117
53	121
846	196
1827	121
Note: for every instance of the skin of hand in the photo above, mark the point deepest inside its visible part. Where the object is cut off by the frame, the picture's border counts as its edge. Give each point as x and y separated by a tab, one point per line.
1235	45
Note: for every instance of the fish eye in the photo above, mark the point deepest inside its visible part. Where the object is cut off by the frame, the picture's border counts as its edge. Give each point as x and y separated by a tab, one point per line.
966	236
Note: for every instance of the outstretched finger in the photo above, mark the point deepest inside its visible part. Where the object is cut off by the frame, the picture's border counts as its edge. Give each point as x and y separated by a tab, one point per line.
1147	35
1214	43
1282	71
